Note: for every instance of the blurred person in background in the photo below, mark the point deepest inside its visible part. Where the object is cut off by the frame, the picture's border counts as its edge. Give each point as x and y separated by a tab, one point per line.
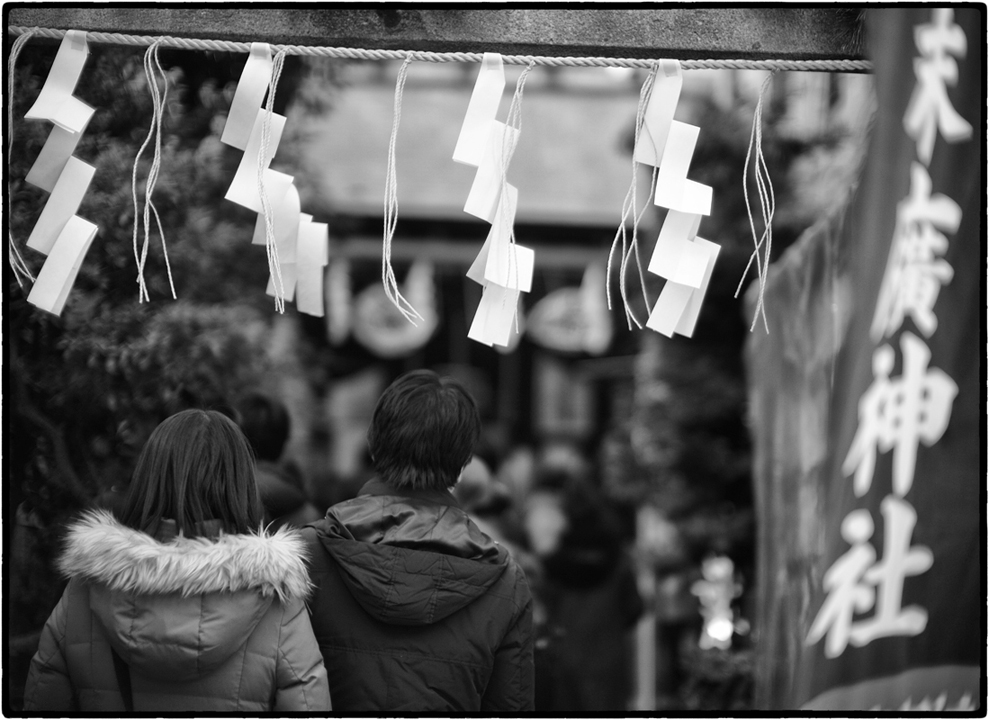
415	608
484	498
184	604
267	425
490	506
587	589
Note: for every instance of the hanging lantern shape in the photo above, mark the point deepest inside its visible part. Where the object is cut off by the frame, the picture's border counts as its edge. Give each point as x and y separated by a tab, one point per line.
716	592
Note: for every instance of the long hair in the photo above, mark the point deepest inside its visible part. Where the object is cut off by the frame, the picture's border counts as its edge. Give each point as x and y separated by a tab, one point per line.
196	466
423	431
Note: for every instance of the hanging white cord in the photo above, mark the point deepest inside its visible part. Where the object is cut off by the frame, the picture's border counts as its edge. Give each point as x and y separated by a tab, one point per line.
633	251
513	120
628	206
271	248
629	202
388	280
156	168
151	61
138	260
17	263
767	202
633	246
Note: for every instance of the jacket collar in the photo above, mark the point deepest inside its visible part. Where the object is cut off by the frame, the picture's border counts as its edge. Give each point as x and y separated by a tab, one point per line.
101	549
377	486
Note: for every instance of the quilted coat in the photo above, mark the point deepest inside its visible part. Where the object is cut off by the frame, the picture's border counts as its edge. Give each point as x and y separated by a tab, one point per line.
416	610
204	624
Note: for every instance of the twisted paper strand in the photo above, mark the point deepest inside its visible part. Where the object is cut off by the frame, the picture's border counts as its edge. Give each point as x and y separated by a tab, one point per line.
271	249
767	203
388	279
151	61
629	206
17	263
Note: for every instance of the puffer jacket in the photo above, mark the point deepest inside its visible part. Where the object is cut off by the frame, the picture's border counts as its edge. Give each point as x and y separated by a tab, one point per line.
416	610
203	624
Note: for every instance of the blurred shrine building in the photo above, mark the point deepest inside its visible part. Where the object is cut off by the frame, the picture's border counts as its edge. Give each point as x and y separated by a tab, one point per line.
572	371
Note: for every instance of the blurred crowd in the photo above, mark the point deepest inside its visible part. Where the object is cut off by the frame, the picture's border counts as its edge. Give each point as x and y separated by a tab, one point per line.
546	507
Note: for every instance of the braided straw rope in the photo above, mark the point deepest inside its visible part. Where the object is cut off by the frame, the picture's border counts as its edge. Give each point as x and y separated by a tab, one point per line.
426	56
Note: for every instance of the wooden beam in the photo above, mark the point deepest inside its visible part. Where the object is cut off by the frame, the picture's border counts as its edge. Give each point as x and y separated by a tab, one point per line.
696	32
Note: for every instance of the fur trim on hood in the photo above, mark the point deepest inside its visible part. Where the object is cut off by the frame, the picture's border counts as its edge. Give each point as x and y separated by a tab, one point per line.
100	549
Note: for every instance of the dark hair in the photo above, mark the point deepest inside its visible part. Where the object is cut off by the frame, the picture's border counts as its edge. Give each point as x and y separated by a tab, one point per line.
196	466
423	431
266	424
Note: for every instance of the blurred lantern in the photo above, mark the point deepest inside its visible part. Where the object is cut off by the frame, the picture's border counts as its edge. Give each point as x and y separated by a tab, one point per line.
380	326
716	592
574	319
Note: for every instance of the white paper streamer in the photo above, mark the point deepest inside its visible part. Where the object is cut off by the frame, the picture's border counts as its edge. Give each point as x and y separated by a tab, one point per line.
62	204
253	84
59	146
502	267
313	255
55	101
481	110
59	272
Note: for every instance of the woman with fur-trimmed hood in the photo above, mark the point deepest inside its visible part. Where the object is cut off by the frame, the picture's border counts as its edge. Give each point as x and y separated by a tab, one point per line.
182	605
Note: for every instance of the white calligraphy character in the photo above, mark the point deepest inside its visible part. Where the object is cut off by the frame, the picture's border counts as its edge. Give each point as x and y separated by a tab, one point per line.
914	273
852	581
900	561
930	110
847	594
899	413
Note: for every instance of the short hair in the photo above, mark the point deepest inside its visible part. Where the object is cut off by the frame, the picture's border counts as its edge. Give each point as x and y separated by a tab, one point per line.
423	431
266	423
196	466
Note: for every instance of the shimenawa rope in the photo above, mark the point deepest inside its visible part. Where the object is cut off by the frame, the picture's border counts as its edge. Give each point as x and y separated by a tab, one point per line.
427	56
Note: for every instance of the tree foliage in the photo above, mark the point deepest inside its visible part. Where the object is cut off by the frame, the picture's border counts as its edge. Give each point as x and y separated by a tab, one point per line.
687	432
88	386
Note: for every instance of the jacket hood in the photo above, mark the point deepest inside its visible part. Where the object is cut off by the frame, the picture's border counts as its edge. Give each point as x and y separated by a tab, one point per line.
181	608
410	557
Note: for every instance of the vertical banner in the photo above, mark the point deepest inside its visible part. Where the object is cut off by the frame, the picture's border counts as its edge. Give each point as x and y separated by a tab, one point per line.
896	600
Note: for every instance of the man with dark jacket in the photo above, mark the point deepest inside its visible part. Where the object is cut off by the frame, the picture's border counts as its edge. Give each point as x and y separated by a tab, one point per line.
415	609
